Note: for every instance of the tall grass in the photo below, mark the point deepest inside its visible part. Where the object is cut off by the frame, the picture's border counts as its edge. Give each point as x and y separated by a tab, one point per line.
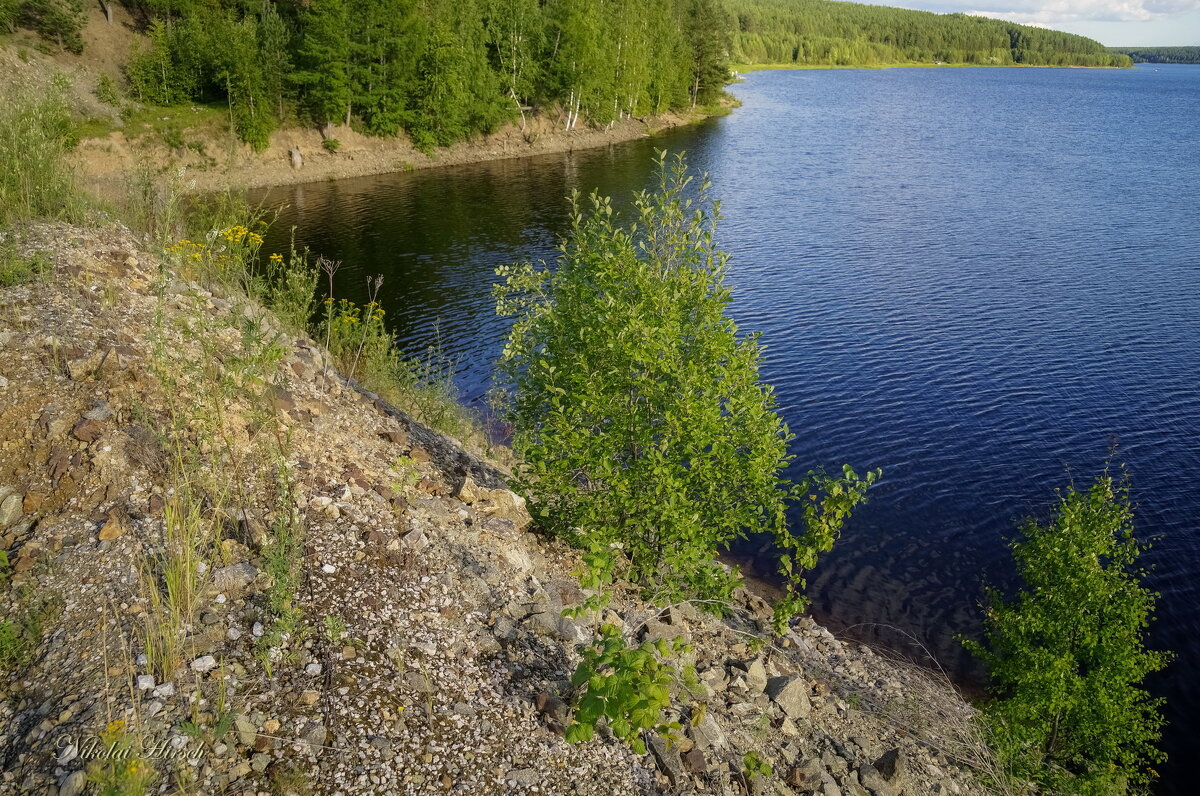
36	135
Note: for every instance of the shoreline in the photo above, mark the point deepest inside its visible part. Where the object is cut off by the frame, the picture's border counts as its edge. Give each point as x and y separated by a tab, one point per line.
106	163
746	68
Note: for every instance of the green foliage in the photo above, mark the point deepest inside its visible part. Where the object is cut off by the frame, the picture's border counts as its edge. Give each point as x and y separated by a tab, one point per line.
754	766
1066	654
18	270
826	33
628	686
331	144
1160	55
36	134
640	420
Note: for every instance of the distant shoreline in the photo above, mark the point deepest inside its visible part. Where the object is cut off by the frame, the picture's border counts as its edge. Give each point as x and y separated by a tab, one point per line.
745	68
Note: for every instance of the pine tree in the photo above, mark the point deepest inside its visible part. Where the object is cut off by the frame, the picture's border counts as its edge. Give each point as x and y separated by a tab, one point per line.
323	60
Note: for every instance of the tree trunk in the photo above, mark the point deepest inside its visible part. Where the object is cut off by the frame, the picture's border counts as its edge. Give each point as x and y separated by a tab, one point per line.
107	10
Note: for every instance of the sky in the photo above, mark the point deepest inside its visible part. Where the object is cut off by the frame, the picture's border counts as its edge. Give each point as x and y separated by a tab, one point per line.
1114	23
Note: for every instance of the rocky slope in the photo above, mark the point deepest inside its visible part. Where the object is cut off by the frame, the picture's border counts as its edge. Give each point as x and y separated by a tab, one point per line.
431	655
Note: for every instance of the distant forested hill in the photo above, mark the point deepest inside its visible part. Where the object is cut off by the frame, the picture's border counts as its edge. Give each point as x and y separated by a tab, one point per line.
1160	55
822	32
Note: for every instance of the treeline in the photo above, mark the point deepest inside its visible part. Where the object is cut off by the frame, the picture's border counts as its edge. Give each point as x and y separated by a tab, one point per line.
440	70
826	33
1160	55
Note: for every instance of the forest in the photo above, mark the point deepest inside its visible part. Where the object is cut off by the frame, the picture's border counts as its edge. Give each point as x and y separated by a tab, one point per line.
827	33
444	70
1160	55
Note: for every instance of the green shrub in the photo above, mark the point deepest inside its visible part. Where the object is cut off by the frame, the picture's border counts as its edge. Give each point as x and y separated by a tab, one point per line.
36	134
629	686
639	416
1066	654
331	145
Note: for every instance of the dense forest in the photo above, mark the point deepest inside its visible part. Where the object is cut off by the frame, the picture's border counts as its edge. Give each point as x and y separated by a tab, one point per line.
439	70
826	33
1160	55
443	70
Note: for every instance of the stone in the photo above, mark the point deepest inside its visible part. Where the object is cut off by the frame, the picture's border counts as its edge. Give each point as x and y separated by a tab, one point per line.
791	694
88	430
349	653
73	785
667	758
203	664
314	734
308	697
874	782
246	730
553	708
708	735
806	775
260	761
233	580
312	669
693	761
295	158
755	676
113	527
892	766
145	682
10	510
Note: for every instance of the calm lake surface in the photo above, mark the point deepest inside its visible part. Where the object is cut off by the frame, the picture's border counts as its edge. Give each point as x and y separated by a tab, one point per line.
975	279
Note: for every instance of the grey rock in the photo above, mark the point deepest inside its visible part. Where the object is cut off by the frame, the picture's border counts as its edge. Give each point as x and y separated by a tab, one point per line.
260	761
314	734
10	509
233	580
205	663
874	782
791	694
73	785
524	776
893	768
708	734
667	758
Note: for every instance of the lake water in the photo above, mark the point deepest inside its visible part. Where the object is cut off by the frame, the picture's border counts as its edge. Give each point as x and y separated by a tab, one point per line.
975	279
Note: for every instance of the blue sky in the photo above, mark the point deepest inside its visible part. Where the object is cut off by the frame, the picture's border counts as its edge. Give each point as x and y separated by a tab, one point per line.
1116	23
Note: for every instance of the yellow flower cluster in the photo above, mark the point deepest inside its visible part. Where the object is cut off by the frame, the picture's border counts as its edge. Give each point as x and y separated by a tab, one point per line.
186	249
240	234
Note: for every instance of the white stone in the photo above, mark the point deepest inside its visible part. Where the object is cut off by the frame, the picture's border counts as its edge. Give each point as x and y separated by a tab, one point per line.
328	569
145	682
205	663
313	669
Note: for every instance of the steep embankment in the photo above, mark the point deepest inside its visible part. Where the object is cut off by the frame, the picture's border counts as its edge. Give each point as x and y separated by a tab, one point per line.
227	559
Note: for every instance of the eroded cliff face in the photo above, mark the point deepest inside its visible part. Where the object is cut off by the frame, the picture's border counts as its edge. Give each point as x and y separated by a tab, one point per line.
229	560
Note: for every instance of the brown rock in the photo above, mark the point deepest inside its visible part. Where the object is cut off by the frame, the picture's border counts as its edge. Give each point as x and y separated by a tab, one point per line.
395	437
87	430
693	761
114	526
419	455
33	501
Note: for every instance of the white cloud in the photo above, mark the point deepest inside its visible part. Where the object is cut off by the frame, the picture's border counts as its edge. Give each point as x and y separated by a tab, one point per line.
1047	12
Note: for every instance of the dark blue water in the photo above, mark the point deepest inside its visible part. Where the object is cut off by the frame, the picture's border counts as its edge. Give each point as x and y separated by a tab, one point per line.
976	279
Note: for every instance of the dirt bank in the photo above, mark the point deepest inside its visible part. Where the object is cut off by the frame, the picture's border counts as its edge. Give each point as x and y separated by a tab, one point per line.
213	160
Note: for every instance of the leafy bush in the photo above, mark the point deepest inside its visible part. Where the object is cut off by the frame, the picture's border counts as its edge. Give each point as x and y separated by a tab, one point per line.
638	411
1066	654
331	145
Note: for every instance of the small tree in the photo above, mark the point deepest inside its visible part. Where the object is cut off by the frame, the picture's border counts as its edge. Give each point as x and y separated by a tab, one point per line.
1067	656
640	419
